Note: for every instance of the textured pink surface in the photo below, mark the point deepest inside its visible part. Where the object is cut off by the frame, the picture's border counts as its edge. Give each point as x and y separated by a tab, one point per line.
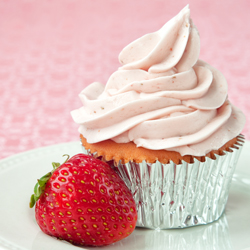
51	50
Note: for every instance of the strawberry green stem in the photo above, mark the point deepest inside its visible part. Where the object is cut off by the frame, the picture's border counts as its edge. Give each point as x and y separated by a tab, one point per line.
41	183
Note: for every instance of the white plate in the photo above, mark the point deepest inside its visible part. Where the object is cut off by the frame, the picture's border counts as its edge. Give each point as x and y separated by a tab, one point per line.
19	231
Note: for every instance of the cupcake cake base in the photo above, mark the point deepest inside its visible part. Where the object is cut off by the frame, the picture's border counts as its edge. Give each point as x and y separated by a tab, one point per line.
175	192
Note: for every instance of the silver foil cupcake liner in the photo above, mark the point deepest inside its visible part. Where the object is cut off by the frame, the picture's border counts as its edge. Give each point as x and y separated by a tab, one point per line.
180	195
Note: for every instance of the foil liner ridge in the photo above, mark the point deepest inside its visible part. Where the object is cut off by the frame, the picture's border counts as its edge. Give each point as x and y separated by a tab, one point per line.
180	195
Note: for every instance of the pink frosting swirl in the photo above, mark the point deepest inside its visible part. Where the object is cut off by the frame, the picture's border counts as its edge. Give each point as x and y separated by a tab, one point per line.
162	97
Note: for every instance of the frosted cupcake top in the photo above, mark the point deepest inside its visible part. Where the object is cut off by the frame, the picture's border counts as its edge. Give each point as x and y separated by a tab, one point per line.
162	97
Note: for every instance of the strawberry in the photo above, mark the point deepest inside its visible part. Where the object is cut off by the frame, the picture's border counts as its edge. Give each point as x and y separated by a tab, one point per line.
85	202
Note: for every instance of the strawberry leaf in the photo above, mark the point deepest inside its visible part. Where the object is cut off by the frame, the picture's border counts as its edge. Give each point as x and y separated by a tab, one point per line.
41	183
32	201
55	165
43	180
37	189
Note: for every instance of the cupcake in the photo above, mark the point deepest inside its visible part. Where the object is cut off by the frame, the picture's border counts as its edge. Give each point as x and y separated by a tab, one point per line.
164	122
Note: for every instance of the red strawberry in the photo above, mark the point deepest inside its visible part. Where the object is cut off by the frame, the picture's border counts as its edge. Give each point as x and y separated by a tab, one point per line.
85	202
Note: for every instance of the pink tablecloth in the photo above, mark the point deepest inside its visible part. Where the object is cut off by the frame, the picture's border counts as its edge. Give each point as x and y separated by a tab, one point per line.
51	50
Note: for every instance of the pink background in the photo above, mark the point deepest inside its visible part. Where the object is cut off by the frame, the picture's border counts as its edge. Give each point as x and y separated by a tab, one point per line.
51	50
